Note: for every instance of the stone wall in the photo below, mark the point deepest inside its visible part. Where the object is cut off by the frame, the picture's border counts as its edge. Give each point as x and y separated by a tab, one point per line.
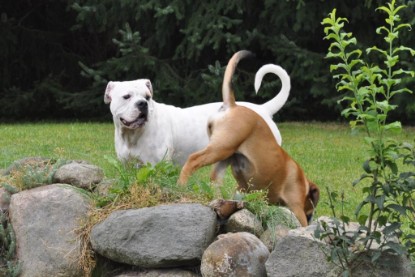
186	239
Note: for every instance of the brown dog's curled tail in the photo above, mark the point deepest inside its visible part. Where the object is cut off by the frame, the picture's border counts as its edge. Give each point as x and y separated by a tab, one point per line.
227	91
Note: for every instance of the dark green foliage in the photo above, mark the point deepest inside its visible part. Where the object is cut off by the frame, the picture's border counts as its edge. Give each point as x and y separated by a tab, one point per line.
56	56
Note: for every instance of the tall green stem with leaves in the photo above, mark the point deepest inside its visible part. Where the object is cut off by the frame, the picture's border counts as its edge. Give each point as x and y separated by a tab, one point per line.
369	90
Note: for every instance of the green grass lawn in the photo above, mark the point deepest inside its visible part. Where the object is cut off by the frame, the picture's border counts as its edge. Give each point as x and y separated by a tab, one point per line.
330	155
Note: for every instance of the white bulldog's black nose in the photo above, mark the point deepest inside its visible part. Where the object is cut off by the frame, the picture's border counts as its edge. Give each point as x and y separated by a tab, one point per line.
142	105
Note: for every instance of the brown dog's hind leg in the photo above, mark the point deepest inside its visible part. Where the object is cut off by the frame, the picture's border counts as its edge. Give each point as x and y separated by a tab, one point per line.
218	172
207	156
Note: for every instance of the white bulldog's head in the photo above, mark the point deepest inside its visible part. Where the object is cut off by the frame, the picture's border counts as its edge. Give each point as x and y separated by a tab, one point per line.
130	102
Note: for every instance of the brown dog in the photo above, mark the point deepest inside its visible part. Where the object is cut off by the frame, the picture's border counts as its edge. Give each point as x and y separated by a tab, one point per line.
241	138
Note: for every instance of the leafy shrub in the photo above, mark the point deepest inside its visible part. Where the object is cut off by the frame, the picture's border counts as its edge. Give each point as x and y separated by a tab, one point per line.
369	88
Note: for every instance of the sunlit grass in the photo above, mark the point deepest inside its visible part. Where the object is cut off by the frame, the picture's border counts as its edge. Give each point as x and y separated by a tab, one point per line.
71	141
329	153
332	157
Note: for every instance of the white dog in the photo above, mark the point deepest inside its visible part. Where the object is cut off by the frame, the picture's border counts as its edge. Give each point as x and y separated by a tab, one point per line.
150	132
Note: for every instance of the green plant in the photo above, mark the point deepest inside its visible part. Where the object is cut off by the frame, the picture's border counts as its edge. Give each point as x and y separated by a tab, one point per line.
269	215
9	266
35	173
336	233
369	90
125	174
163	173
161	177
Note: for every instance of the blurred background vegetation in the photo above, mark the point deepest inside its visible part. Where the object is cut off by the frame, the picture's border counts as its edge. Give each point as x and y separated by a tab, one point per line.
57	56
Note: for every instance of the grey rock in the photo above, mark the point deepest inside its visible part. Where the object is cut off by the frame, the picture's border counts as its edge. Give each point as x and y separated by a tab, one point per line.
388	265
244	221
44	220
159	273
288	218
156	237
271	236
79	174
103	187
299	256
234	255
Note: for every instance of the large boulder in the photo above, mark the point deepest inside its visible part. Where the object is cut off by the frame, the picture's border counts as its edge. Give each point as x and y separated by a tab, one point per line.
234	255
299	256
388	264
44	220
271	236
156	237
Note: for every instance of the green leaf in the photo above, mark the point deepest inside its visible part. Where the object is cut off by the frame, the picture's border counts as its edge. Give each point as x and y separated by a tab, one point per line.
401	210
399	249
359	207
362	219
143	174
379	201
374	48
398	91
403	26
356	52
375	256
333	67
345	219
371	122
355	62
382	220
345	87
396	10
405	72
366	167
385	9
391	61
380	29
335	37
363	176
395	127
383	105
334	195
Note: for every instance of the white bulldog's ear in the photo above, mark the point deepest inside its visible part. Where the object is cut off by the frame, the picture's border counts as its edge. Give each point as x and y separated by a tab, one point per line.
150	87
107	96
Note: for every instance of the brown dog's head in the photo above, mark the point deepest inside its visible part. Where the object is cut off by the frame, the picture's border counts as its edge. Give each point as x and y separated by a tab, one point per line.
311	202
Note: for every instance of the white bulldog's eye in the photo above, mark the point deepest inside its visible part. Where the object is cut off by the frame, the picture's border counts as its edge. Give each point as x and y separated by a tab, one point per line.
147	97
127	96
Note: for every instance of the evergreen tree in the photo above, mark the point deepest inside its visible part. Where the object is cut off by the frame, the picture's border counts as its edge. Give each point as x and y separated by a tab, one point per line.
57	56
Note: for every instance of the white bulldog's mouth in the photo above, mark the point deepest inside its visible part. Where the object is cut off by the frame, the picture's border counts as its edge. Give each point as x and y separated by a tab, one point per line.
138	122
